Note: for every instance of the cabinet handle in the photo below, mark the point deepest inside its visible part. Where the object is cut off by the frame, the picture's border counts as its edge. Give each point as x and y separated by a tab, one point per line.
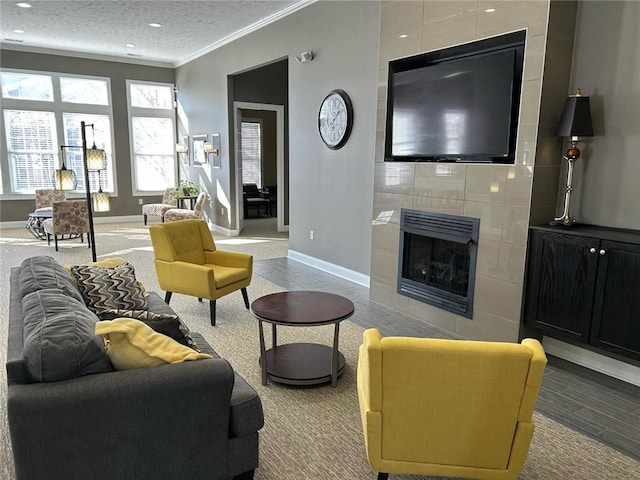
592	250
603	252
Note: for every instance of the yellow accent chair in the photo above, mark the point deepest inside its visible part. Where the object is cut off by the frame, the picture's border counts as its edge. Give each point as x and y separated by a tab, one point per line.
169	201
175	214
450	408
187	262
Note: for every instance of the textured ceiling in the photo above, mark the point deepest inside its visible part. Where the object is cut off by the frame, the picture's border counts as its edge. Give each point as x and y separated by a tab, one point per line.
98	28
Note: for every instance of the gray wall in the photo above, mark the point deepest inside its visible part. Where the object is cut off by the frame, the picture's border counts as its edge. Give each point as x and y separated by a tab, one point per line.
330	191
124	204
606	66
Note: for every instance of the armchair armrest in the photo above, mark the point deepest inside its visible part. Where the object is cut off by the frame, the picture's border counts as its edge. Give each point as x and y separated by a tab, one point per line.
229	259
106	425
183	277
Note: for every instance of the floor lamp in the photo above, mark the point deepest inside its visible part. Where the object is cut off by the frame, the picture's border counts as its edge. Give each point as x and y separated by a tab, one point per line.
94	159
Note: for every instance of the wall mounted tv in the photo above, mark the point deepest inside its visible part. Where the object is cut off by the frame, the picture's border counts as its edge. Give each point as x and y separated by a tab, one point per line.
460	104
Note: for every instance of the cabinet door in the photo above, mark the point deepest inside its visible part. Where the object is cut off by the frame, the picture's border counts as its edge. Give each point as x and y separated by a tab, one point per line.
561	281
616	313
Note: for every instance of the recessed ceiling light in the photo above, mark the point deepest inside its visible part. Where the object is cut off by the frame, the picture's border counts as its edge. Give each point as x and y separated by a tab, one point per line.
17	30
490	10
23	5
155	24
130	45
404	35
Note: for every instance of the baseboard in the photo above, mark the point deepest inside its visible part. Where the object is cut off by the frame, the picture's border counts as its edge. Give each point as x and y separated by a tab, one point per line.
337	270
594	361
222	230
96	220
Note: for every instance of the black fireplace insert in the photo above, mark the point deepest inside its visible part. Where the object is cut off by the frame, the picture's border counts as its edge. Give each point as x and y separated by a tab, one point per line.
437	259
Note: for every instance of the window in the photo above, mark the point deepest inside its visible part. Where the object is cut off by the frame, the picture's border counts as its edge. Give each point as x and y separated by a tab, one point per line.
251	133
41	112
152	130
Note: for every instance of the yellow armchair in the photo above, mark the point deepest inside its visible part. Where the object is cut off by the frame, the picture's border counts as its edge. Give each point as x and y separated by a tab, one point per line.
450	408
187	262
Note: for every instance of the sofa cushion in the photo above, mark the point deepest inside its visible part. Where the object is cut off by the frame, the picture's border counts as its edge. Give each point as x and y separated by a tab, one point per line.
41	272
166	324
59	338
109	288
132	344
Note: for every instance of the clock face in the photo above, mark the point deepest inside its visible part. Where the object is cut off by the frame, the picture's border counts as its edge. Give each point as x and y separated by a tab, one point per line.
335	119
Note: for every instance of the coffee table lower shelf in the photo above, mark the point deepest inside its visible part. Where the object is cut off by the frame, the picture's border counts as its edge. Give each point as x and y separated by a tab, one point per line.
301	363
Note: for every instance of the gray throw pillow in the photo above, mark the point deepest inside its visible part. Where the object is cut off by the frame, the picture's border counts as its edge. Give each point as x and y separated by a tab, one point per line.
42	271
59	338
109	288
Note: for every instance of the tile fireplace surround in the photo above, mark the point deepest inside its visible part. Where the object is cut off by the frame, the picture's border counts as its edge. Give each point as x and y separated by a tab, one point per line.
506	198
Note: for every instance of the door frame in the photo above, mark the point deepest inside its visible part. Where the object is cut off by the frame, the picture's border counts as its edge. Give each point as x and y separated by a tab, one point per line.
237	114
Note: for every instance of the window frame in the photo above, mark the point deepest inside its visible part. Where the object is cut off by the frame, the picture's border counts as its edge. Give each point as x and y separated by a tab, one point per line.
152	113
59	108
259	121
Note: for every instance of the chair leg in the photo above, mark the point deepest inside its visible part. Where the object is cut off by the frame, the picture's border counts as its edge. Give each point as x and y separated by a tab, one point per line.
48	239
383	476
55	241
199	299
167	297
145	219
245	297
212	310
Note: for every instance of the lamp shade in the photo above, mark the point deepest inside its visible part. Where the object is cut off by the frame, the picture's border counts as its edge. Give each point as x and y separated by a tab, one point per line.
101	201
576	117
65	179
181	148
96	159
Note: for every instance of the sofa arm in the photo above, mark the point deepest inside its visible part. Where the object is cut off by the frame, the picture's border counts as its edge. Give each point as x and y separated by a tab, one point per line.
170	421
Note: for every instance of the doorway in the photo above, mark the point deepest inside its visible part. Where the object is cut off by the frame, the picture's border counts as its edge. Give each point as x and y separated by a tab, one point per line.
262	158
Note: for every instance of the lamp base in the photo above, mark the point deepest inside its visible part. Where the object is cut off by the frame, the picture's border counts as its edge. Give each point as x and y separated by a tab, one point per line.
562	224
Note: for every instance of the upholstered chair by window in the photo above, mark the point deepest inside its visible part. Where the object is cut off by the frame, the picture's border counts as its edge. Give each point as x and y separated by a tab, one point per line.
175	214
169	201
70	218
448	408
188	262
46	197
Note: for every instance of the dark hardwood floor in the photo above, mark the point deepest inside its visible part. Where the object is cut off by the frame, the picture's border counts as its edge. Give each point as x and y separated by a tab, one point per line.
594	404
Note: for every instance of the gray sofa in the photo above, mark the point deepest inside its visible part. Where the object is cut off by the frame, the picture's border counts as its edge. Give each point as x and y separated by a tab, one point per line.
192	420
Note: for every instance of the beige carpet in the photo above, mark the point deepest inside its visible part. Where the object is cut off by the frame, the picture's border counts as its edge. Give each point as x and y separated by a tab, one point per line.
310	433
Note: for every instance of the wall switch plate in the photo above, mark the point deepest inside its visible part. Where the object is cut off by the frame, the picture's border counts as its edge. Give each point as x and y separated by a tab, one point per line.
310	234
139	201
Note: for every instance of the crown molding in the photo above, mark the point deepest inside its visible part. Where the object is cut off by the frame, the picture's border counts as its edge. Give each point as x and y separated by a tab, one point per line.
294	7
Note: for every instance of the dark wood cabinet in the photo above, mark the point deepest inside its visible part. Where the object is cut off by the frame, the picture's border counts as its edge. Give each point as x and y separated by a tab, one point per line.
583	285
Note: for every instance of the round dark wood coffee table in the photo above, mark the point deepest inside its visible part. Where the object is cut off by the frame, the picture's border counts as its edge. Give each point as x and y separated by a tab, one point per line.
301	363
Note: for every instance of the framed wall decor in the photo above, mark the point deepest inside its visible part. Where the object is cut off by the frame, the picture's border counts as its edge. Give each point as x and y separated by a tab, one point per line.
216	158
185	149
199	156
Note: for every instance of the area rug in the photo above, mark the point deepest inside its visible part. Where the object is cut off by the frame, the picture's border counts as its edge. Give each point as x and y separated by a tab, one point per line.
310	433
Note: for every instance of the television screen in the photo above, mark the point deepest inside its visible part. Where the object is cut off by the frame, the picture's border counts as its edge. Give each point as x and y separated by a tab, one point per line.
457	105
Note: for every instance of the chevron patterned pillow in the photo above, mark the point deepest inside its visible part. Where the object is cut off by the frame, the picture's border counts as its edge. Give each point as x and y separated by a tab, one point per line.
109	288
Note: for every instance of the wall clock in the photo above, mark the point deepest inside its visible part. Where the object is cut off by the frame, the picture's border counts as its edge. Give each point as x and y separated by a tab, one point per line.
335	119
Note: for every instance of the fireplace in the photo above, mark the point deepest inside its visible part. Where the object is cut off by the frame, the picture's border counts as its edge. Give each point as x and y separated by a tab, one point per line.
437	259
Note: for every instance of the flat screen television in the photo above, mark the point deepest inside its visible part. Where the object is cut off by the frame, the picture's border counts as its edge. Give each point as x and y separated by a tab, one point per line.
460	104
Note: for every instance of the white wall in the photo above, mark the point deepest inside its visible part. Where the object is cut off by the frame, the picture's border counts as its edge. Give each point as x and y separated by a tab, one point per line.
330	191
